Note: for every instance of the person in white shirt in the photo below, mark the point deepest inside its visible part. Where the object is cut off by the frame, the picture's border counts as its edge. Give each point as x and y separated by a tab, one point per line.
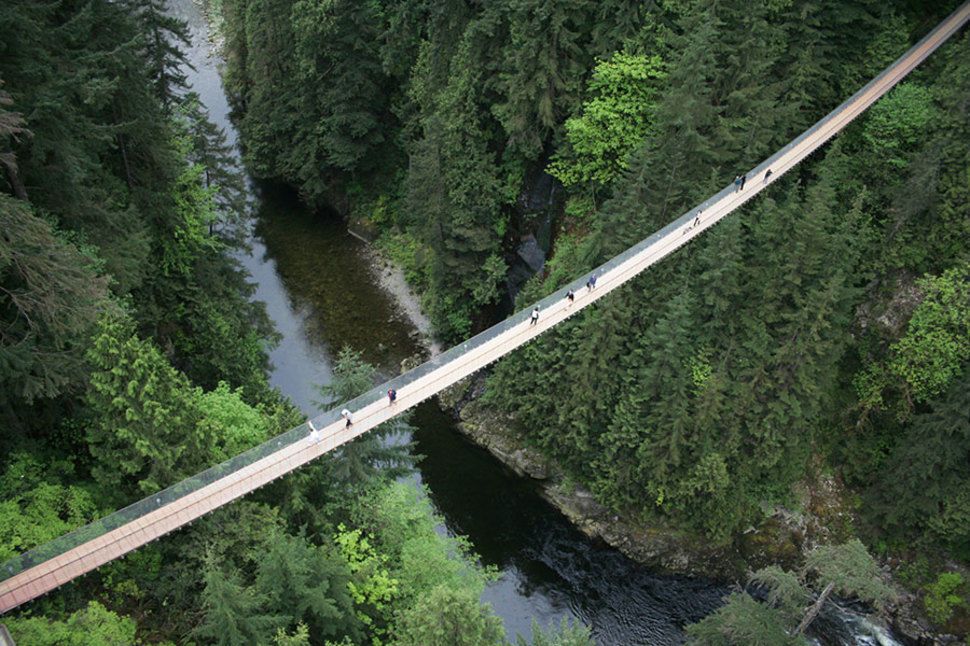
314	433
347	415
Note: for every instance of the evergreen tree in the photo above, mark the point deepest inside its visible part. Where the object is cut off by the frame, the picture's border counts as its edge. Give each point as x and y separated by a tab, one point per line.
212	151
307	584
782	617
50	296
94	625
145	423
377	454
542	72
449	618
234	614
11	128
162	38
925	487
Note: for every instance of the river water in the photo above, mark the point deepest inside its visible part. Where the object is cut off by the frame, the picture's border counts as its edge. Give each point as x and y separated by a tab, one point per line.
321	295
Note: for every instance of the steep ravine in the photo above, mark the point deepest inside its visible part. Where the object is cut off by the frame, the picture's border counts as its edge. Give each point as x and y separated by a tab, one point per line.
321	291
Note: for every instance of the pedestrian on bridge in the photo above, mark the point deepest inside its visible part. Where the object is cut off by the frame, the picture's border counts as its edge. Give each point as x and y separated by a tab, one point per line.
697	218
347	415
570	296
767	176
391	396
737	183
591	283
744	178
535	316
314	432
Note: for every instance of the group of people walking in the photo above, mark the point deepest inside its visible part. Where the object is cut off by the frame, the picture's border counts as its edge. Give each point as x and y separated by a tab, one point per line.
570	297
741	179
348	416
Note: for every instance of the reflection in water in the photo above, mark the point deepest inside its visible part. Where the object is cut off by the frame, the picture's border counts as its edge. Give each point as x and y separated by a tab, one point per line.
549	569
326	276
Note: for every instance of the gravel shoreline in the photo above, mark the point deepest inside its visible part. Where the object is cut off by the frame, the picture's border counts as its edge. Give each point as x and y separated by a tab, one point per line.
391	279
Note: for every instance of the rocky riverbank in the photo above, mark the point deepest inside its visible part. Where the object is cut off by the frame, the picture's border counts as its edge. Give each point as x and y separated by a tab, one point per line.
821	513
658	546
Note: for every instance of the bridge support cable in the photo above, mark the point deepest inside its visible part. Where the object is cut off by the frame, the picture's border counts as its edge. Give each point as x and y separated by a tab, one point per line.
49	566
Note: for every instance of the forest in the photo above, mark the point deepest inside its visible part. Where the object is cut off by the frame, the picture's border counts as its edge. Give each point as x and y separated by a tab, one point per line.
823	329
131	356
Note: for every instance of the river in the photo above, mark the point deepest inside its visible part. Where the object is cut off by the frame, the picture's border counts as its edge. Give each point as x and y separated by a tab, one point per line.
321	294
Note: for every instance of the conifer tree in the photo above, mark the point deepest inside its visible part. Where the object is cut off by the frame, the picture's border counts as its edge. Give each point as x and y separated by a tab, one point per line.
541	75
221	172
163	37
11	129
377	454
234	614
307	584
145	424
50	296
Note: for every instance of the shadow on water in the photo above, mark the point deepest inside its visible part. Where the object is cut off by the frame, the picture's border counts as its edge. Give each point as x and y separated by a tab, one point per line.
549	569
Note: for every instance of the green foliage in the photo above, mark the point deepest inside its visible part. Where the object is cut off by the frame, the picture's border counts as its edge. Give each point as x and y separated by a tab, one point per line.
406	252
567	634
235	424
300	637
145	418
232	612
448	617
149	424
742	621
95	625
403	525
38	507
895	124
942	597
302	582
851	568
372	587
937	339
925	488
50	296
785	591
614	121
789	601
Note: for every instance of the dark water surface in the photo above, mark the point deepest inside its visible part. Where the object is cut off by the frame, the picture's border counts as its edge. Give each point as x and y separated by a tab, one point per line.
318	290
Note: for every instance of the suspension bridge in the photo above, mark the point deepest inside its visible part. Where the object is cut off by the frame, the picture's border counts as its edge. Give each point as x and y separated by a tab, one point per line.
49	566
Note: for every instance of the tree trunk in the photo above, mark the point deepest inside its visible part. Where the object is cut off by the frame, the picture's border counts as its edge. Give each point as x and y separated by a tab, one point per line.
19	190
815	609
124	158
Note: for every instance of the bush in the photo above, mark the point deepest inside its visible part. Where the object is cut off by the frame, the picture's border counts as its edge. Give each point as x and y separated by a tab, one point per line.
942	597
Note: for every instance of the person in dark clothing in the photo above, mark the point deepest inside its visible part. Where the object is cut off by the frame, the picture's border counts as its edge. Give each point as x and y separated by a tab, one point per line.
570	296
697	218
535	316
737	183
744	178
391	396
767	176
591	283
